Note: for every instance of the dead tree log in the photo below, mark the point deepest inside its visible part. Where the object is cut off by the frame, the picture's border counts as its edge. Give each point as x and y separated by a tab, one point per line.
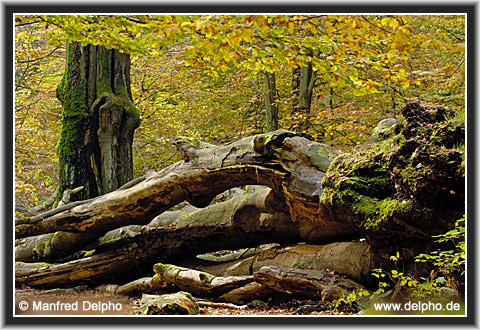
310	283
404	189
396	193
51	246
289	164
199	283
240	222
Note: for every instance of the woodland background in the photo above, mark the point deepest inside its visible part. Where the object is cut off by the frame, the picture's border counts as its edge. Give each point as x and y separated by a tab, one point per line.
197	79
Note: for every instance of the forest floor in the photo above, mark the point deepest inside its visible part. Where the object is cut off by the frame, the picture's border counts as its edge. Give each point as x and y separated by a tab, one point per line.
88	298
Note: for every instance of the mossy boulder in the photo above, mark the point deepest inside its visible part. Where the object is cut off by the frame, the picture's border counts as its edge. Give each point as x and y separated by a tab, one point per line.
401	191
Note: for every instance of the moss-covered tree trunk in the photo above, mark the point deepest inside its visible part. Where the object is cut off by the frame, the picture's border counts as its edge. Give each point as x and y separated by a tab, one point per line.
98	121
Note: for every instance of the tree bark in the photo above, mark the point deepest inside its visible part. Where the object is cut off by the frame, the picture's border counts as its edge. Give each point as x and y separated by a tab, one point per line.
303	82
98	121
271	103
290	164
197	282
237	223
304	282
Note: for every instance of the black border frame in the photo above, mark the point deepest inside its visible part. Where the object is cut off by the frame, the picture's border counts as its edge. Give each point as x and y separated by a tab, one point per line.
10	9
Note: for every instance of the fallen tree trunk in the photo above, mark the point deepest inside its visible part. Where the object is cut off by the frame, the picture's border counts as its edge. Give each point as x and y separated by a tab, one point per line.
305	282
199	283
50	247
396	193
353	259
289	164
240	222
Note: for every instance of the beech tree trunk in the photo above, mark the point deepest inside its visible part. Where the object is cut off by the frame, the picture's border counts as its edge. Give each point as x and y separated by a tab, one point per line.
271	104
98	121
303	82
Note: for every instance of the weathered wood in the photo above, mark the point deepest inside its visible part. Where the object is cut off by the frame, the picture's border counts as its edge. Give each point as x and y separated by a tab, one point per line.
199	283
180	303
141	285
50	247
353	259
51	275
236	223
308	283
61	208
275	160
228	255
247	293
396	194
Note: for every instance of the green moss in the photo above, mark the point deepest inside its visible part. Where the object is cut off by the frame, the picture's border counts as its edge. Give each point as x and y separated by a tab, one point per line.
375	211
85	254
74	115
185	140
370	212
42	264
39	249
167	271
371	180
361	181
123	98
54	291
449	134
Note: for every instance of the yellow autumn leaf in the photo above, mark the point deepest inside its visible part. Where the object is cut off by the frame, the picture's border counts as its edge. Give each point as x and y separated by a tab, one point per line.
401	37
291	28
405	84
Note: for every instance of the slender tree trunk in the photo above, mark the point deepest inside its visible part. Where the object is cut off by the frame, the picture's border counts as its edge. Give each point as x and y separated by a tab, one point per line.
271	101
98	121
303	82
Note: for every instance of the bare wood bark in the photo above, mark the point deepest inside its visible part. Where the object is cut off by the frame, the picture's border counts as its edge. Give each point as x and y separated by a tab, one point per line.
310	283
276	160
247	293
237	223
199	283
